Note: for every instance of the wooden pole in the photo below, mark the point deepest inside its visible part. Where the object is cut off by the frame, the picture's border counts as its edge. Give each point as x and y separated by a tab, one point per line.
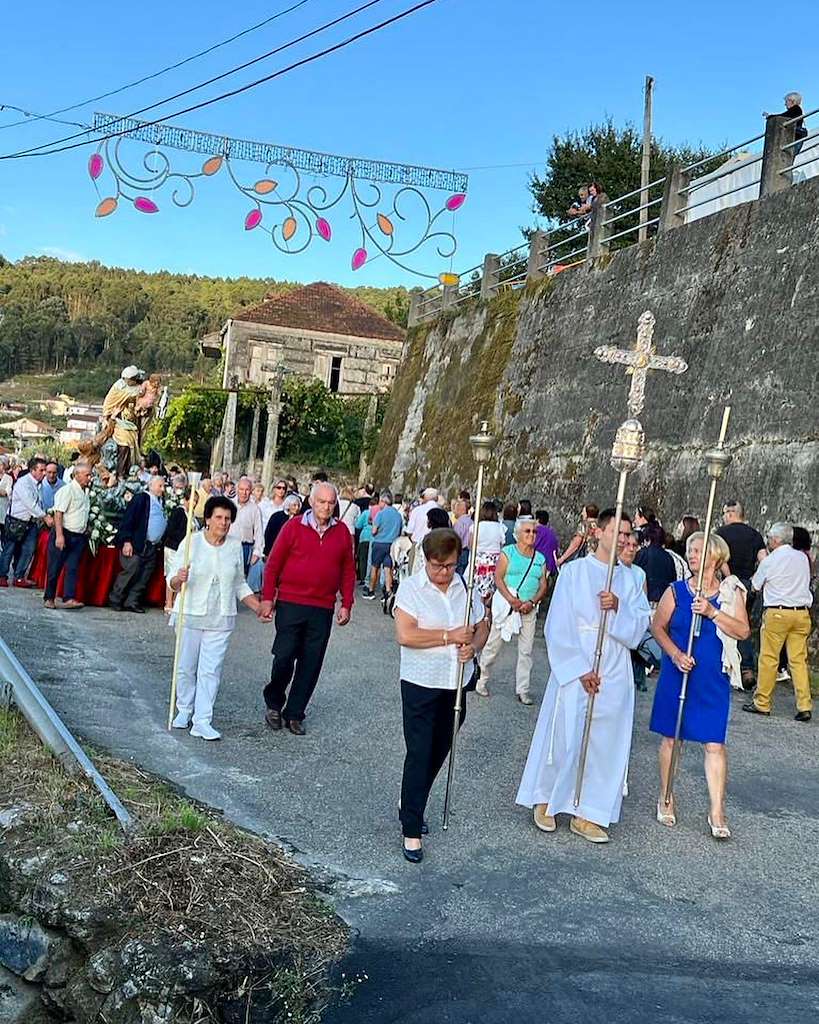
179	608
645	164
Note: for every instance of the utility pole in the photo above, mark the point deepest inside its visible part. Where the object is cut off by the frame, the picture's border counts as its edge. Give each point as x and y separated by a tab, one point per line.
645	165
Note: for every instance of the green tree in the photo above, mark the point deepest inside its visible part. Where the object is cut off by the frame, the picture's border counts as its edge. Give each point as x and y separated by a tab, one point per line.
192	421
605	154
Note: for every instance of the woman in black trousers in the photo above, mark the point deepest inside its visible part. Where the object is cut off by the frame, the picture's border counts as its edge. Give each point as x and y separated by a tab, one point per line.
430	609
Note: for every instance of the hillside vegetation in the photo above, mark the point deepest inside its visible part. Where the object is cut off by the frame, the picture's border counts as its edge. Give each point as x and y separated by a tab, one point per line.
56	316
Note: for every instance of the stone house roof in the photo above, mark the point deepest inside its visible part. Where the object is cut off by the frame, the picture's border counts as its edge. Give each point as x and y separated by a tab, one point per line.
322	307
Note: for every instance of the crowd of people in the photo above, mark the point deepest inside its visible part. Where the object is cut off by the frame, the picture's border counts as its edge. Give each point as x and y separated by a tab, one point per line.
297	555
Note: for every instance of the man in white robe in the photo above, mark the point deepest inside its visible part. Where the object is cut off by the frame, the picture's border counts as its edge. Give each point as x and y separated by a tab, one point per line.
548	783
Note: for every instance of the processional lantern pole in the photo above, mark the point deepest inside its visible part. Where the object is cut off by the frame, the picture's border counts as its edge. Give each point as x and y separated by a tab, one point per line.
179	608
626	456
482	445
716	462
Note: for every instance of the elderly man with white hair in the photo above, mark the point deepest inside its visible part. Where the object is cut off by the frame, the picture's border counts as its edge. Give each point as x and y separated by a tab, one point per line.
247	527
784	579
417	526
308	566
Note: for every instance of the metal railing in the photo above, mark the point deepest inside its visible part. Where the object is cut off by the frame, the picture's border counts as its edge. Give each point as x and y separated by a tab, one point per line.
53	732
642	212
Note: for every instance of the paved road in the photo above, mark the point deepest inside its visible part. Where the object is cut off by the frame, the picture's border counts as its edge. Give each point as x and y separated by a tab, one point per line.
500	922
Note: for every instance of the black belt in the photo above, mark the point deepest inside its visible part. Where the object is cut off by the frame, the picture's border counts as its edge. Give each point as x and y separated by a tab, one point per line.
790	607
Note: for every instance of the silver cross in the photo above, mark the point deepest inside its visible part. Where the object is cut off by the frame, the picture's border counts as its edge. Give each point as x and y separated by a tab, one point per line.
640	360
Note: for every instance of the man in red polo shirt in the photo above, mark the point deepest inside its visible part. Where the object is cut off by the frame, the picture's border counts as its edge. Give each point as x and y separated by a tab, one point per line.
310	563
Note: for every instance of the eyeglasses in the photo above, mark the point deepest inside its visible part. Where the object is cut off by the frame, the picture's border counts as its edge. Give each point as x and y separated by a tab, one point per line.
445	566
279	487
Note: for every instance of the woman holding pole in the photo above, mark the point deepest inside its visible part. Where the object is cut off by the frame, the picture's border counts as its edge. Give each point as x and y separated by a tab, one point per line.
430	610
714	657
210	567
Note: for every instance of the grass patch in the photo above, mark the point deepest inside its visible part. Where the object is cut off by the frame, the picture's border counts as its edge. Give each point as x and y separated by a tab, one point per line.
186	874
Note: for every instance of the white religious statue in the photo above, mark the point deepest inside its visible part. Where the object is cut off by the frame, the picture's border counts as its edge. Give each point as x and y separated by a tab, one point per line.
119	410
549	778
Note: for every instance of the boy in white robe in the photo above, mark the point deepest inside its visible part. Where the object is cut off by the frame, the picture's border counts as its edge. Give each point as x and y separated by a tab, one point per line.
548	783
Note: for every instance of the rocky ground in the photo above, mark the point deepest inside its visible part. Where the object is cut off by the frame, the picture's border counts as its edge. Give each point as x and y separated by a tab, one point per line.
189	918
500	922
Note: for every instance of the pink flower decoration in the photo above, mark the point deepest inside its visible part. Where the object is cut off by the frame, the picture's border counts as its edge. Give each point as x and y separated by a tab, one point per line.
359	259
253	220
145	205
323	228
95	166
456	202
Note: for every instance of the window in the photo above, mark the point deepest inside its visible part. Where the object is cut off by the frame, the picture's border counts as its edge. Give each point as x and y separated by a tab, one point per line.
335	373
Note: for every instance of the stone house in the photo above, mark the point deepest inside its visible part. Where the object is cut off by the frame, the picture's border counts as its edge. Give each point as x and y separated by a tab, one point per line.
315	331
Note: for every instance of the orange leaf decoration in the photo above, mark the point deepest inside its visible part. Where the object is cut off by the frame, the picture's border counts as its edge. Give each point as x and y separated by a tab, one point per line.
385	224
106	207
289	228
264	186
212	166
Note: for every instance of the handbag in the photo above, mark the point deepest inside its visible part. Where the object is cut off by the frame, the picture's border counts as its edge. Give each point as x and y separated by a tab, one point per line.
16	529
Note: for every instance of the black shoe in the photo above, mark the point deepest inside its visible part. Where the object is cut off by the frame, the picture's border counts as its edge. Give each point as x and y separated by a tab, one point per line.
802	716
413	856
114	607
295	726
754	710
273	719
133	608
425	827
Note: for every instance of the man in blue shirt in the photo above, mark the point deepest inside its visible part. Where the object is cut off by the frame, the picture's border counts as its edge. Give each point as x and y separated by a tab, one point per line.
50	485
387	527
139	539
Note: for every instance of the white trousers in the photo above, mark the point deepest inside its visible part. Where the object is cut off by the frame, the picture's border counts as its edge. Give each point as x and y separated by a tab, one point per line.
200	671
526	641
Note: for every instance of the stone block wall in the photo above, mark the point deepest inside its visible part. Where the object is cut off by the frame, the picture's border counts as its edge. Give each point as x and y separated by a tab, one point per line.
735	294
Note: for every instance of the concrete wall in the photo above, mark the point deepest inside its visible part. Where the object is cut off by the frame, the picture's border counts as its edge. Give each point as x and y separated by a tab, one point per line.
253	350
735	294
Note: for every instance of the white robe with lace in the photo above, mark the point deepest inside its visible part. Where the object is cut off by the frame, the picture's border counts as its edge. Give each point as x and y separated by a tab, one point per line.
571	633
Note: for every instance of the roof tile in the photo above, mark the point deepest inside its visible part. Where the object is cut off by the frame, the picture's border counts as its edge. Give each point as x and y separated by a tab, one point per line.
322	307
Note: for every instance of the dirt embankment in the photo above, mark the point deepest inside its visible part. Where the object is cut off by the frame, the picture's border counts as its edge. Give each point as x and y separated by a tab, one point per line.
189	919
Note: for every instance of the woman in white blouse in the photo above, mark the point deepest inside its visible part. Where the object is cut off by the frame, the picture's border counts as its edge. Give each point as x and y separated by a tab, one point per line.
430	609
489	539
215	579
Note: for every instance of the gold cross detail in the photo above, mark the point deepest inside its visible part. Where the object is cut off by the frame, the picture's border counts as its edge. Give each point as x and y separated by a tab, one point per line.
640	360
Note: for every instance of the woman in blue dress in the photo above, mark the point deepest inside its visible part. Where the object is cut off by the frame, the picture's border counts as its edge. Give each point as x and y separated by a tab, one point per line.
708	698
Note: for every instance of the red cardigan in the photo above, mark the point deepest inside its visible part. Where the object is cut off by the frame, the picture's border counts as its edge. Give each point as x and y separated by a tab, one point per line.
304	568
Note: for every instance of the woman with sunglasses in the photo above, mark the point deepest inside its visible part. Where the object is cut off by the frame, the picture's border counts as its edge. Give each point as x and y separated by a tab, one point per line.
430	610
522	582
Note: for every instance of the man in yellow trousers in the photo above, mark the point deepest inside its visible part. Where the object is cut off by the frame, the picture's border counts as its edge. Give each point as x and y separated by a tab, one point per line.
784	579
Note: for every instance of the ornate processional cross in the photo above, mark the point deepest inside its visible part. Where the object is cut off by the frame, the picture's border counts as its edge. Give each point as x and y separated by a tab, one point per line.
640	360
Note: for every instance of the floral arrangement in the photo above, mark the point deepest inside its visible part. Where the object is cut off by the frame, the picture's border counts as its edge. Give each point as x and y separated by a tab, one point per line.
103	516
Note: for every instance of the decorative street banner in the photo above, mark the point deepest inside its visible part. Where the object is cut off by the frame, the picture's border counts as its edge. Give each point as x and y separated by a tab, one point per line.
279	203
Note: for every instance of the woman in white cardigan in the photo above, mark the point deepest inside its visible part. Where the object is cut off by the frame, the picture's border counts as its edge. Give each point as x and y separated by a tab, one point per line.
216	581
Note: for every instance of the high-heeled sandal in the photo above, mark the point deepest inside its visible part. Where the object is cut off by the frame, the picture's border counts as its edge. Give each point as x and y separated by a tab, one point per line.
669	819
719	831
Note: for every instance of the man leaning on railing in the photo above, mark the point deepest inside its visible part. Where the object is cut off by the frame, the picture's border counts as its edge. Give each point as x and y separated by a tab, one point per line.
793	111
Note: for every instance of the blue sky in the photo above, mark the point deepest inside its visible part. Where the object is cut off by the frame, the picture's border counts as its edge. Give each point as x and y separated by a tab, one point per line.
462	84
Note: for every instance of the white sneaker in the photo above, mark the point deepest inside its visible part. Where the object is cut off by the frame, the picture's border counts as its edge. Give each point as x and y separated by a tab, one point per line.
205	731
182	720
783	675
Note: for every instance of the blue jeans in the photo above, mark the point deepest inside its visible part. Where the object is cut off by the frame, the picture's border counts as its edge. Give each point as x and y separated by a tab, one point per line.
21	550
247	554
70	558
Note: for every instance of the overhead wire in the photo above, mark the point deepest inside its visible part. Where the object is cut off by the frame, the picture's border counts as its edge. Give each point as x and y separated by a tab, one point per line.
31	116
34	150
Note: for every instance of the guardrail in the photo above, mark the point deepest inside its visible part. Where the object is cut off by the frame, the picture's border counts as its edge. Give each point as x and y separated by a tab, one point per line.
676	199
53	732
